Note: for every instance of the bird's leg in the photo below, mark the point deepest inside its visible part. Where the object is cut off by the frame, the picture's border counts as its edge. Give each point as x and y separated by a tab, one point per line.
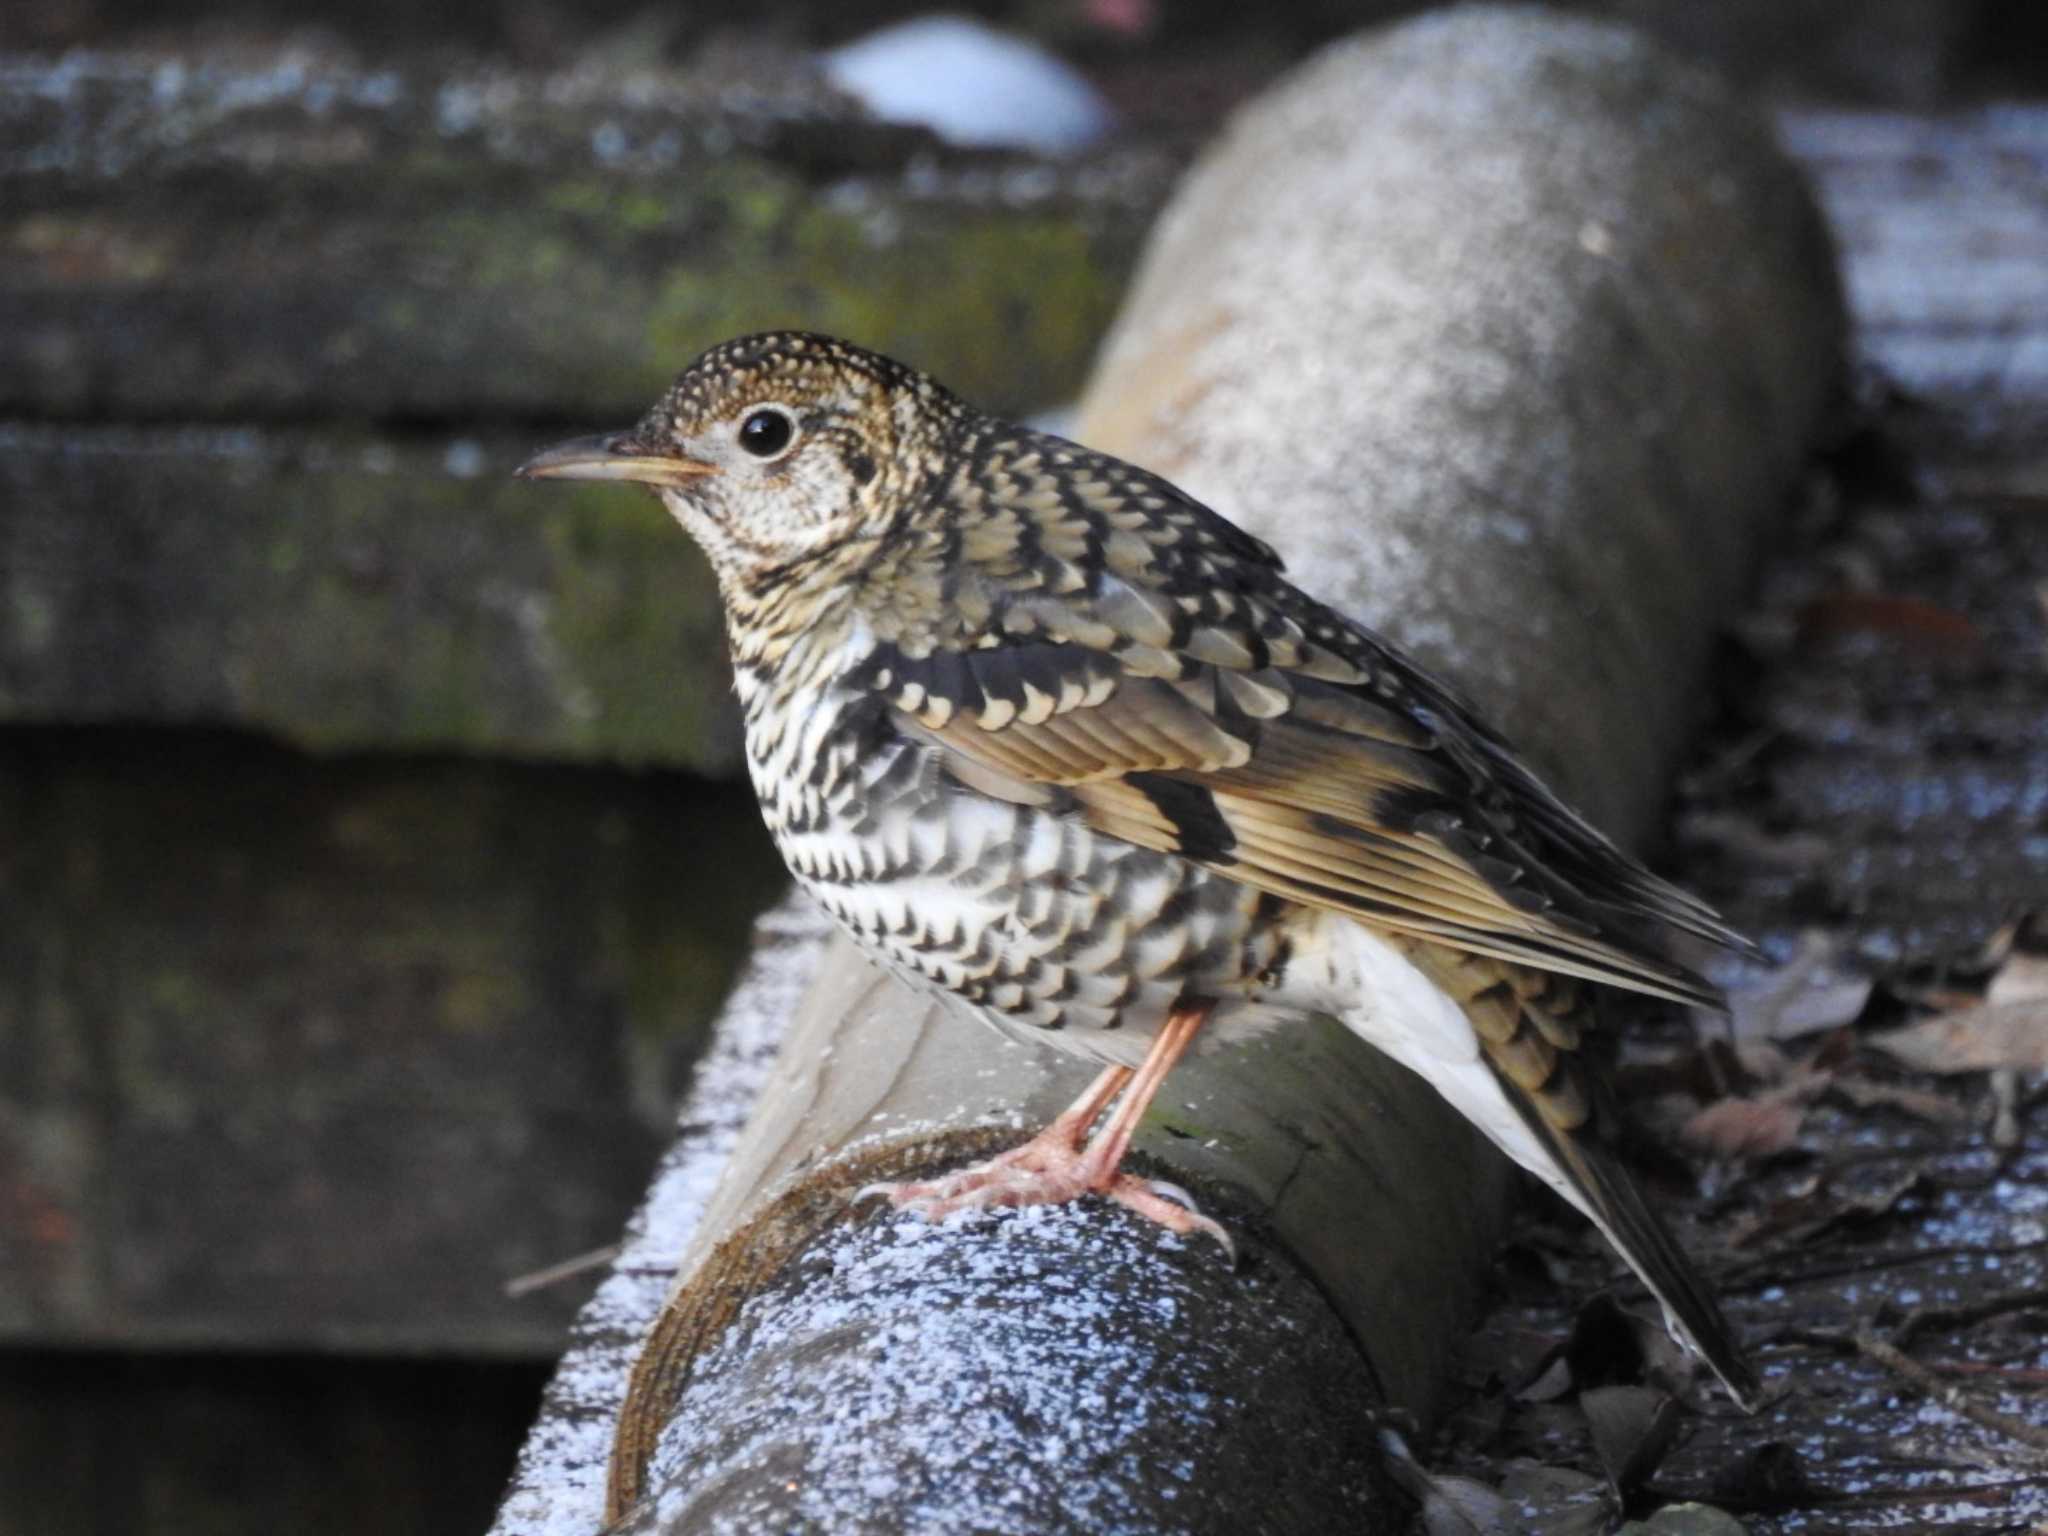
1102	1162
1105	1154
1061	1164
1072	1124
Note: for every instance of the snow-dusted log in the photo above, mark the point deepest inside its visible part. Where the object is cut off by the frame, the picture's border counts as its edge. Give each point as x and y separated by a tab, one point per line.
1512	335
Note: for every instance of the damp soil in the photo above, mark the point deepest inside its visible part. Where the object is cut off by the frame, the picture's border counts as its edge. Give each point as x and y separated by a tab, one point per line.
1870	801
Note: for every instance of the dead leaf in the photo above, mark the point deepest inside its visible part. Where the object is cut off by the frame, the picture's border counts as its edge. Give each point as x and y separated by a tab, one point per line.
1934	1108
1981	1039
1556	1501
1633	1428
1941	982
1451	1506
1812	991
1909	622
1751	1127
2021	979
1461	1506
1771	1477
1763	1062
1550	1383
1611	1345
1817	1208
1686	1520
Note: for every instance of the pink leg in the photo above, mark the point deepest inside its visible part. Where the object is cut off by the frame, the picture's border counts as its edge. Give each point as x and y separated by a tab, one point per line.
1060	1164
1105	1153
1073	1121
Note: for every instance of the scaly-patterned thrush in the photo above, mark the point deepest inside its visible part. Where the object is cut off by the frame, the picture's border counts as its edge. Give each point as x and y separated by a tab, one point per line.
1050	738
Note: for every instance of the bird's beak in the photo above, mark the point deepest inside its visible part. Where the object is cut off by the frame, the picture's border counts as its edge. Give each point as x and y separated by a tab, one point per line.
614	456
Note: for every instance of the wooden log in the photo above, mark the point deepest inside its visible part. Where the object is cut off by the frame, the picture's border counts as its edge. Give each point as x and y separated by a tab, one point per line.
1447	318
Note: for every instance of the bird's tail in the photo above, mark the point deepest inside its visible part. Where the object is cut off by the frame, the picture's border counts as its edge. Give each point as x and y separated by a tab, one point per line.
1532	1094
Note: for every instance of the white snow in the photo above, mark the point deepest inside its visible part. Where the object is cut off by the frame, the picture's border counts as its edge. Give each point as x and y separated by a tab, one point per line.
558	1487
970	84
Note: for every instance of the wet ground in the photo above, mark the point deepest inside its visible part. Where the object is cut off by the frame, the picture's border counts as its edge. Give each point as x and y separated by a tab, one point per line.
1871	802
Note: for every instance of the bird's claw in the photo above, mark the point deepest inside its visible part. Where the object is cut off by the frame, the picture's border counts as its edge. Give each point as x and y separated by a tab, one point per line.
1035	1174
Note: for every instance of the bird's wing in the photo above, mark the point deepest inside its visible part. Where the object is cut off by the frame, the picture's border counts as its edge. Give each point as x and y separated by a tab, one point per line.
1125	648
1256	732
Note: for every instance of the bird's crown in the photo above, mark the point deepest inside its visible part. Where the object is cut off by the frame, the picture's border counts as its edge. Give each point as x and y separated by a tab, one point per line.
799	368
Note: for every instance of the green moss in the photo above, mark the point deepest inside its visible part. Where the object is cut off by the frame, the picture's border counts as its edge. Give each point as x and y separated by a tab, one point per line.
623	284
586	197
177	993
478	1001
633	612
111	250
347	608
1006	307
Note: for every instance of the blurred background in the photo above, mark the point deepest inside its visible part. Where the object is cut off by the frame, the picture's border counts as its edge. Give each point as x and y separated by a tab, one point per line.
373	852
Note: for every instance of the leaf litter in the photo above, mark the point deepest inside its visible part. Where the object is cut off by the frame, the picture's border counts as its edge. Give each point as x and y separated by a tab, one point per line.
1865	1138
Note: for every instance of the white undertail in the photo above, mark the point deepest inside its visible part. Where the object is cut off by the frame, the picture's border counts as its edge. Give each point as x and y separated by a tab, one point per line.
1383	998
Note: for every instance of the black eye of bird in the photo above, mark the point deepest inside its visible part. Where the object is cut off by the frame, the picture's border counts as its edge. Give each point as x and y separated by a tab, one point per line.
765	433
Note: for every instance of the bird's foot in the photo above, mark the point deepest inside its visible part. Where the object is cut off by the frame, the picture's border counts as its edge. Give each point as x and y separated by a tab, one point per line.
1050	1169
1169	1205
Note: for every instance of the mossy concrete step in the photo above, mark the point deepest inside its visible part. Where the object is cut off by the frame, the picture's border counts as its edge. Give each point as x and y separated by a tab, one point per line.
289	235
349	592
306	1054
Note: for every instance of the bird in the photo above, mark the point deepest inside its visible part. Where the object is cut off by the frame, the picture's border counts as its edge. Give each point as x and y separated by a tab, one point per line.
1055	741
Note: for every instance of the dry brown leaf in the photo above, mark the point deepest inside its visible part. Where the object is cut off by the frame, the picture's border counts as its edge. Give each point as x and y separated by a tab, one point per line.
1754	1127
1909	622
1764	1062
1980	1039
1812	991
1819	1207
1533	1500
1935	1108
1633	1428
2022	979
1556	1501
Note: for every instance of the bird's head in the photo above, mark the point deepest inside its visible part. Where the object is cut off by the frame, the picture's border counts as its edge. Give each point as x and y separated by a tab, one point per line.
776	449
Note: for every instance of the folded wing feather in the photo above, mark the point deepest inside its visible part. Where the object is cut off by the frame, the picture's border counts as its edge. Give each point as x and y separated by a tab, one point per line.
1389	804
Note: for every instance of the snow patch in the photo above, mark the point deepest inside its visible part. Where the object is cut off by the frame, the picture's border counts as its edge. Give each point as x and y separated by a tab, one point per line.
558	1486
970	84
